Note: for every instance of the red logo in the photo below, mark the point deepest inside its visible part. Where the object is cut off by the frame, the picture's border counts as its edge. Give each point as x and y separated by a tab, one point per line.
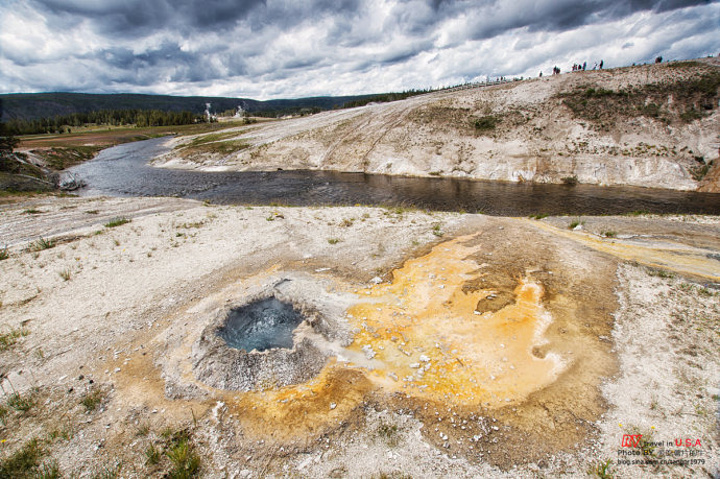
631	440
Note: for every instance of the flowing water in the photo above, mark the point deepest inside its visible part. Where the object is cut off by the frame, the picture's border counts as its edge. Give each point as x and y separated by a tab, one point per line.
123	171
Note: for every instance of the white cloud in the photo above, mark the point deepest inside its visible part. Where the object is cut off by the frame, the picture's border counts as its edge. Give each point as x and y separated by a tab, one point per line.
283	48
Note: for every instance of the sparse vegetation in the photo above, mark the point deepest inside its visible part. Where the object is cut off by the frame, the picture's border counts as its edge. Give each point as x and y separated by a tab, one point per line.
437	231
692	98
389	434
92	400
570	180
602	469
538	216
20	403
485	123
575	224
9	339
108	472
42	244
638	213
609	234
4	253
117	222
65	274
152	455
24	463
333	240
660	273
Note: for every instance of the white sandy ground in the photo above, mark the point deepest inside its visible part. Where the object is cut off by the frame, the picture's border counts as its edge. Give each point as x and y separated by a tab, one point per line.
129	287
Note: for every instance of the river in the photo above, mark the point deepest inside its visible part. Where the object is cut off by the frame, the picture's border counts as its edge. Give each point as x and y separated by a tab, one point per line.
123	171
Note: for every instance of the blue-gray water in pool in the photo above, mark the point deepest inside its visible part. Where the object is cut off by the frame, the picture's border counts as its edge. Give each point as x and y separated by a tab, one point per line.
123	171
261	325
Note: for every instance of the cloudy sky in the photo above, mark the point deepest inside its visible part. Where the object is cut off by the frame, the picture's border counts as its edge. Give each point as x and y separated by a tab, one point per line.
291	48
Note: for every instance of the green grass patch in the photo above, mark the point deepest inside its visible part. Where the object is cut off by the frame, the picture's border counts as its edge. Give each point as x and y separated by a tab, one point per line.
152	455
9	339
24	463
693	98
602	469
117	222
92	400
4	253
62	158
333	240
185	462
218	147
41	244
20	403
660	273
486	123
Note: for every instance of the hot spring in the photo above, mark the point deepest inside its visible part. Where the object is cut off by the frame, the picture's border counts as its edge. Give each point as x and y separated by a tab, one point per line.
261	325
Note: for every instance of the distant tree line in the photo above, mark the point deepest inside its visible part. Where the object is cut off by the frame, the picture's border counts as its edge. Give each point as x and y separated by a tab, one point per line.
64	123
385	97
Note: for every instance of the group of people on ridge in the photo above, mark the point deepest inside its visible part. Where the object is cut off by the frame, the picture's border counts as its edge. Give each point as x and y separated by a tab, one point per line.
577	67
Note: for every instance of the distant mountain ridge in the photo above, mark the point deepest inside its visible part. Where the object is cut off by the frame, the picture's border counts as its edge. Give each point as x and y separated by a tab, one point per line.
31	106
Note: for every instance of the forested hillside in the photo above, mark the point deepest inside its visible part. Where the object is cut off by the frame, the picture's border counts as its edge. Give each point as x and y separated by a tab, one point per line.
34	106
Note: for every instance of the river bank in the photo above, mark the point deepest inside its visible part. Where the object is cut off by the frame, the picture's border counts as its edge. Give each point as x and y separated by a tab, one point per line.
104	300
650	126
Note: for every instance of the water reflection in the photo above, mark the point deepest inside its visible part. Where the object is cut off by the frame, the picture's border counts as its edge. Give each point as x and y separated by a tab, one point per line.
122	171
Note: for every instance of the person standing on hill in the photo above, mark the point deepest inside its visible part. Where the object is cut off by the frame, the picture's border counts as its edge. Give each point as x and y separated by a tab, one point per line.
601	64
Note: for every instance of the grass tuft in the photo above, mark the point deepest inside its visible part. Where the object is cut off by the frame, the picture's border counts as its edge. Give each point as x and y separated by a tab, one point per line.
92	400
9	339
42	244
570	180
117	222
181	452
65	274
24	462
4	253
602	469
152	455
20	403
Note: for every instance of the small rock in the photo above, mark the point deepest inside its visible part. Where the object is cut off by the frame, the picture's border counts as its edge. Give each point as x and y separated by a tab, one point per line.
376	280
333	405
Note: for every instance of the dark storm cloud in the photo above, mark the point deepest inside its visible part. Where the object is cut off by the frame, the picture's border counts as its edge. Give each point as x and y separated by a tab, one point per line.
142	16
323	46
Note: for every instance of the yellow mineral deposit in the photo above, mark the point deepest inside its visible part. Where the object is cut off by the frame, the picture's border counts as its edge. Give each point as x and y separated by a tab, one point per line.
422	334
